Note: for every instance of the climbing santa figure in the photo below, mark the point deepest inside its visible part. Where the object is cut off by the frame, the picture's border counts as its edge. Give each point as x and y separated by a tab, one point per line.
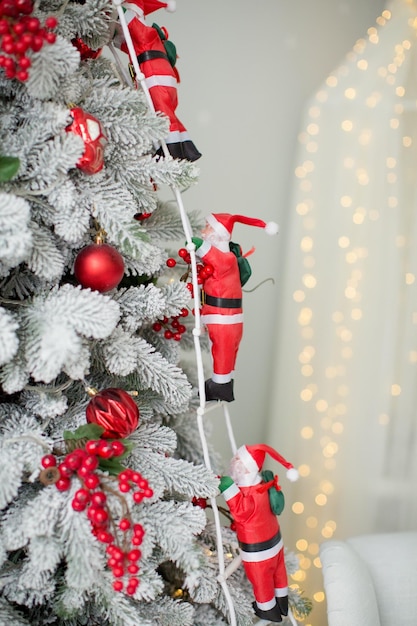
221	310
156	56
254	504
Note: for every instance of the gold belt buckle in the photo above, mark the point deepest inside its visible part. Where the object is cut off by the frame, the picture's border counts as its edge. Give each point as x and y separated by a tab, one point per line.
203	297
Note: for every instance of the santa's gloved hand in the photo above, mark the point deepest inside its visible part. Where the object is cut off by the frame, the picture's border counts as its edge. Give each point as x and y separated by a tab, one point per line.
225	483
197	241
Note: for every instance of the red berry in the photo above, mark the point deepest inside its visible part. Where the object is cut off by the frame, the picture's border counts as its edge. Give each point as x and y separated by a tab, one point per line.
124	486
37	43
148	493
105	451
133	568
51	22
90	462
78	506
137	479
19	28
171	262
124	524
118	448
82	495
177	337
24	6
92	446
130	589
100	516
138	530
98	498
168	334
73	460
48	461
125	475
138	496
65	470
134	555
50	37
33	24
181	329
20	49
8	46
4	27
136	541
118	571
117	553
157	326
182	253
63	484
91	481
184	312
118	585
104	537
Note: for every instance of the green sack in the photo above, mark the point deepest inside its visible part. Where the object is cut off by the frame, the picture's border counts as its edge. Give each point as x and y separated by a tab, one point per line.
276	497
170	48
243	263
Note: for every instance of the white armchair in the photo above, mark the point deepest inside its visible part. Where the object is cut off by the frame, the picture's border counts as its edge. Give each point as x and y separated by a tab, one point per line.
371	580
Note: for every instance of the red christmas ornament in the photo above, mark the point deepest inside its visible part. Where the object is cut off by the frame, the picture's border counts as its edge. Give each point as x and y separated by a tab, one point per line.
114	410
99	266
89	129
85	51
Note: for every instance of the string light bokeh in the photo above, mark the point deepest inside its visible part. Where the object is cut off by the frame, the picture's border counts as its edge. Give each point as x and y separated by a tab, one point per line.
355	195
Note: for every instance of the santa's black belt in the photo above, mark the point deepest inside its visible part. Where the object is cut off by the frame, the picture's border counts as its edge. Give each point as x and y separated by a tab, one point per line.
224	303
261	545
150	55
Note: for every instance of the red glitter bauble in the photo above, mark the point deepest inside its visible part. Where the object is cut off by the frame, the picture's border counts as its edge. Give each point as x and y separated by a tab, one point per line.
99	266
114	410
89	129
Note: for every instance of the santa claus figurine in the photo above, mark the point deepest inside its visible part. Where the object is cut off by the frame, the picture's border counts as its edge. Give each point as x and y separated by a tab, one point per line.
156	56
221	310
257	528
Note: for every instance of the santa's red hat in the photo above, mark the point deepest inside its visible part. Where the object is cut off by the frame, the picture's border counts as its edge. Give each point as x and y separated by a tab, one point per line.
149	6
222	224
253	458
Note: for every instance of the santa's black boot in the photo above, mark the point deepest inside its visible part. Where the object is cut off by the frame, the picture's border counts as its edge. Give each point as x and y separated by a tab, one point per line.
271	615
283	604
219	391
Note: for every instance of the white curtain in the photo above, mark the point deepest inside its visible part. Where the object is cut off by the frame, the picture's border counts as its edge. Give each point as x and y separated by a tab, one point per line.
344	400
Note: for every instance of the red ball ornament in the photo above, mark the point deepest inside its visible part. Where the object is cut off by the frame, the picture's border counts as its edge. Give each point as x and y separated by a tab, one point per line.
89	129
114	410
85	51
99	266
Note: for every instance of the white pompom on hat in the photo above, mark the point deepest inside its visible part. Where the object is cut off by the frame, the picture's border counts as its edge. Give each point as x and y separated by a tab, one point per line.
223	223
253	458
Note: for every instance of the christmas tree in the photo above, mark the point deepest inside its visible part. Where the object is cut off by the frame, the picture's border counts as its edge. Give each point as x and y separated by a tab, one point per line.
104	490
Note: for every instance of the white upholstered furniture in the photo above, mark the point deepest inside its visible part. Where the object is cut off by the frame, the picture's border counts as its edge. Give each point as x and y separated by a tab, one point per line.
371	580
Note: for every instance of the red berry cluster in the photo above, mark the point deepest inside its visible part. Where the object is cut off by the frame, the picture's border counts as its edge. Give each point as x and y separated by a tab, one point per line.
204	270
21	32
173	329
91	497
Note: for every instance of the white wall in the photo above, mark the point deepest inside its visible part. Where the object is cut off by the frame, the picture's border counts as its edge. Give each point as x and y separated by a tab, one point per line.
246	73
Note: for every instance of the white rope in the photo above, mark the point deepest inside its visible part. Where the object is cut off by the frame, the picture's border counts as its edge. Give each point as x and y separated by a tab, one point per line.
197	330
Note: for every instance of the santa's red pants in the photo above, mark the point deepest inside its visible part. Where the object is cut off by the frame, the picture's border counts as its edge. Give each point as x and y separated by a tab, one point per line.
225	340
267	577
